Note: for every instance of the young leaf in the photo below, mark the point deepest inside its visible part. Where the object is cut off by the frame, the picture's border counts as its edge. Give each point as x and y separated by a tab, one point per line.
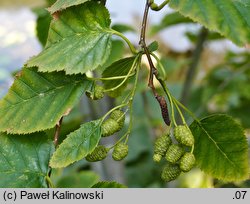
118	68
36	101
24	160
108	184
221	148
63	4
77	144
83	179
229	18
79	40
153	46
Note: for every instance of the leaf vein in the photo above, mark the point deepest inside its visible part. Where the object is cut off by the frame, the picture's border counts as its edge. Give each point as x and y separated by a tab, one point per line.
217	145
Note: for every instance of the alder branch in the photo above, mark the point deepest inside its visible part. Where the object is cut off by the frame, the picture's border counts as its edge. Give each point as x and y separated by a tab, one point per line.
153	71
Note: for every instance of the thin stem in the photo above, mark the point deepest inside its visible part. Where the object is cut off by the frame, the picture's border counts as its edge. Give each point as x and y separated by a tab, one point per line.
186	109
110	111
172	108
130	122
165	88
127	76
136	81
130	103
142	42
118	141
192	150
155	7
131	46
153	71
51	185
180	113
132	93
57	132
111	78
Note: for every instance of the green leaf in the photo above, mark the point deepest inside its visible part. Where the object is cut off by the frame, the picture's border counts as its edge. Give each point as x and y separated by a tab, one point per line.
108	184
36	101
42	24
79	40
123	28
63	4
221	148
230	18
153	46
118	68
169	20
117	52
77	145
84	179
24	160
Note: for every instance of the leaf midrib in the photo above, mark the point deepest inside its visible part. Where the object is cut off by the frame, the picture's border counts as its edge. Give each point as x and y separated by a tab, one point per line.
87	32
47	93
77	146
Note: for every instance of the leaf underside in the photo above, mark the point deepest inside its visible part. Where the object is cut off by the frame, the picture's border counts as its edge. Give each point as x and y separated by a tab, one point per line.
24	160
36	101
63	4
78	41
230	18
77	145
221	148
